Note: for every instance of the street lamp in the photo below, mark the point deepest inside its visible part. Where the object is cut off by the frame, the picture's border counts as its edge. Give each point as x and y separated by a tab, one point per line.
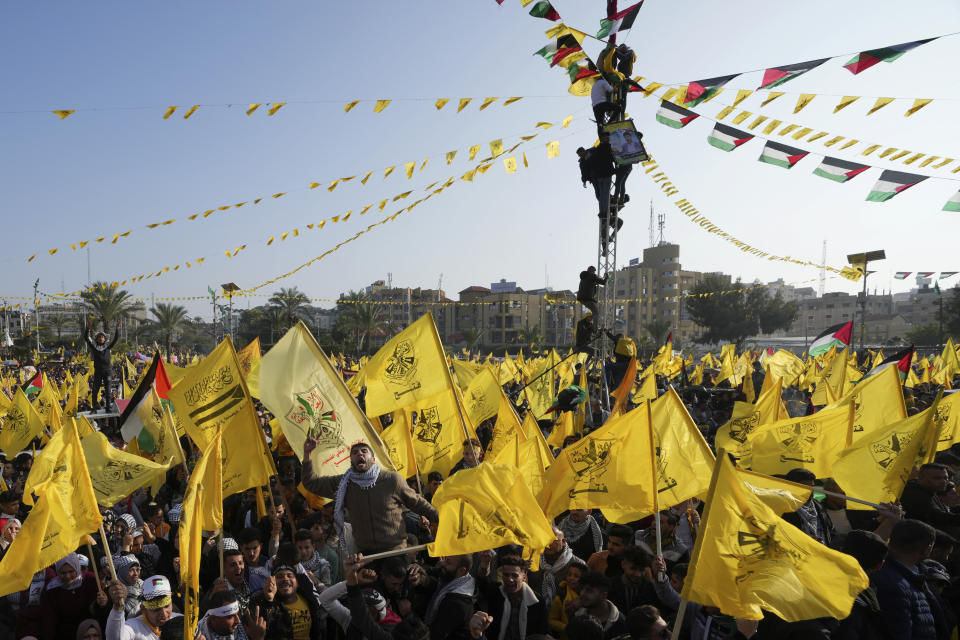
229	289
860	261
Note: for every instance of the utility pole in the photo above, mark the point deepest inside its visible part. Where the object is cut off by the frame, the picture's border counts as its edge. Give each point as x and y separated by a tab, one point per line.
36	312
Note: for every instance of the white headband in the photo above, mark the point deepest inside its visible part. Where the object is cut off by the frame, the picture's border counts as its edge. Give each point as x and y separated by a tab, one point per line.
227	610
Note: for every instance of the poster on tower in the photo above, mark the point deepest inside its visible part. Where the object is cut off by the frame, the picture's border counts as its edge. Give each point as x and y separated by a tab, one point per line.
626	142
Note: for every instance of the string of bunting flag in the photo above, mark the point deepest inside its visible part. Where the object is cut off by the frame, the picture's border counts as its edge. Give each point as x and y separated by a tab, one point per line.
678	119
271	108
409	168
727	138
693	214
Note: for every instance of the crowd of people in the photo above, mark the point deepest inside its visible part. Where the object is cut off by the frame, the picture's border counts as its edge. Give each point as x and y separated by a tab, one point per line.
299	569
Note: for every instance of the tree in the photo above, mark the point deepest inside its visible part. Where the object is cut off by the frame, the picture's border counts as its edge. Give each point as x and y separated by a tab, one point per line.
363	318
472	337
57	323
169	317
951	312
292	302
734	313
529	335
108	302
926	335
658	329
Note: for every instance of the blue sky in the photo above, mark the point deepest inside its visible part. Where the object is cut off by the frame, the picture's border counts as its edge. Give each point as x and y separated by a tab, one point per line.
107	170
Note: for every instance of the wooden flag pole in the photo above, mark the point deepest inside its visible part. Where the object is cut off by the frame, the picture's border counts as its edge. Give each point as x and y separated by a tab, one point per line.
395	552
678	623
106	548
93	565
220	550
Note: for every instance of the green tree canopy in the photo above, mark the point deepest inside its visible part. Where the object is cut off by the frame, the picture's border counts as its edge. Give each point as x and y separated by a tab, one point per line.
733	316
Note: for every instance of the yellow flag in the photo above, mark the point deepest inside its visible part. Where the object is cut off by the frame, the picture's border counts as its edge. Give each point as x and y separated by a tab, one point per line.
466	372
210	394
380	105
746	418
877	466
506	425
65	512
877	402
485	507
747	560
684	460
21	425
780	495
947	420
835	375
248	356
247	462
611	468
116	474
307	395
409	368
808	442
481	397
496	147
539	391
439	432
399	446
202	510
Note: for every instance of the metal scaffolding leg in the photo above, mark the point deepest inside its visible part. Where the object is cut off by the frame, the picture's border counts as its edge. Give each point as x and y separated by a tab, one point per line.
607	305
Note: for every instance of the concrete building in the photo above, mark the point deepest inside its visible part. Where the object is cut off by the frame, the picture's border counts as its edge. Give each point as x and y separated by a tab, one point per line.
403	305
652	289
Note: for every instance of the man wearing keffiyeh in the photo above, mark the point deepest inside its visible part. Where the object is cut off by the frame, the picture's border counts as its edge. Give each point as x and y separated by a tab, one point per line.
374	498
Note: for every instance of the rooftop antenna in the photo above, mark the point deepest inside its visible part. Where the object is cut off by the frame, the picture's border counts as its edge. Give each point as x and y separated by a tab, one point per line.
651	222
661	223
390	280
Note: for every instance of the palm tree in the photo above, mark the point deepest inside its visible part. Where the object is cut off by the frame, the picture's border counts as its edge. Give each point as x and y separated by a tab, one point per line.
658	329
276	318
529	335
58	323
169	317
291	301
108	302
364	318
472	337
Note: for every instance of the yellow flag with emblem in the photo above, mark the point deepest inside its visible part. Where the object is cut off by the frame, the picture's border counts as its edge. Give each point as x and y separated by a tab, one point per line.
21	425
247	461
947	420
785	366
613	468
466	372
306	394
506	425
835	375
748	560
439	431
808	442
396	439
115	474
407	370
481	397
485	507
210	394
249	358
47	401
65	512
202	510
539	390
877	466
780	495
684	460
877	402
647	390
746	418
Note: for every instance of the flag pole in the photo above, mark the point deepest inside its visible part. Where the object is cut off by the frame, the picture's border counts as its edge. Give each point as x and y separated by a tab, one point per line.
106	547
678	622
93	565
220	550
395	552
655	485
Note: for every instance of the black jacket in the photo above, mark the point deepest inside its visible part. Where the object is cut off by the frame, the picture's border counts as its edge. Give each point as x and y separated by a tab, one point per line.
585	333
597	163
279	624
589	282
920	504
100	353
493	604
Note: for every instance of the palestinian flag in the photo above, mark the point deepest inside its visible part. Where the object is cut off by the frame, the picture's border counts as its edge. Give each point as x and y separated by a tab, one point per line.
567	56
866	59
901	360
727	138
902	275
566	41
953	204
838	334
675	116
620	21
35	385
131	426
891	183
947	274
781	155
703	90
776	76
925	274
839	170
543	9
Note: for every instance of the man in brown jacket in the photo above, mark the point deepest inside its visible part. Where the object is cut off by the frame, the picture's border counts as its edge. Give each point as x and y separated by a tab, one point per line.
374	497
